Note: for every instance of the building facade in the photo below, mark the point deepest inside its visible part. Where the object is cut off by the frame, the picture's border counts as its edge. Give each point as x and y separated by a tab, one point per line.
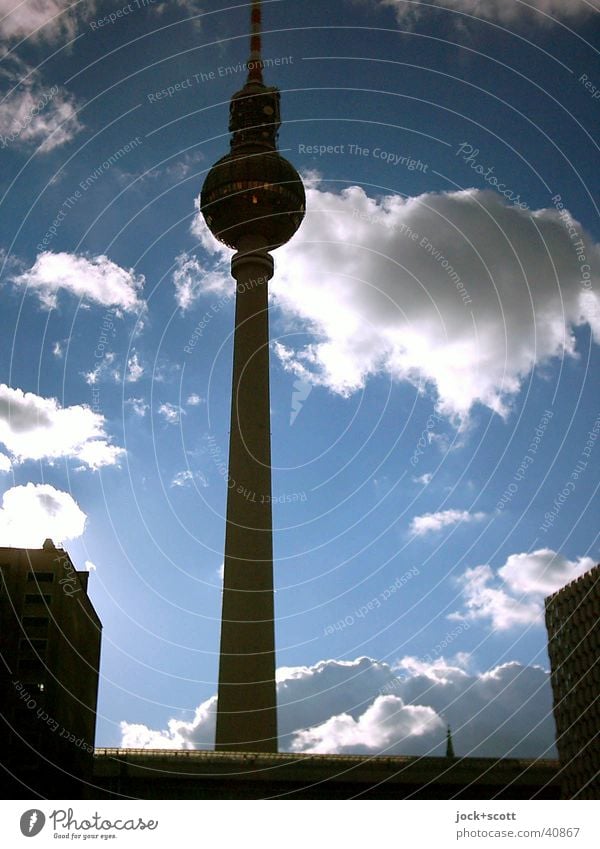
49	666
161	774
572	620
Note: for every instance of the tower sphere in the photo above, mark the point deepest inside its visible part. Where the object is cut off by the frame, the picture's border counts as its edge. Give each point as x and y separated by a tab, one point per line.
253	192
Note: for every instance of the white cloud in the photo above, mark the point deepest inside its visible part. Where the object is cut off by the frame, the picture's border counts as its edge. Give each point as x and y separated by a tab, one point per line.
515	595
170	413
431	522
90	567
92	377
504	11
194	400
362	706
138	405
184	478
174	172
380	300
31	513
387	723
191	280
47	19
424	479
96	279
190	7
36	428
24	121
134	370
5	463
57	350
33	113
187	478
206	239
486	598
543	571
199	733
505	711
96	453
138	736
102	369
440	670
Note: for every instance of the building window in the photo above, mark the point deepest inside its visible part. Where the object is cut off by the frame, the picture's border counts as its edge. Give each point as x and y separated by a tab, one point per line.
31	664
34	687
41	577
35	622
37	598
33	644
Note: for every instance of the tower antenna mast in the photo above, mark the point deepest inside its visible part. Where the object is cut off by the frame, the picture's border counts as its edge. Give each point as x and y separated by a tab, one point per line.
255	64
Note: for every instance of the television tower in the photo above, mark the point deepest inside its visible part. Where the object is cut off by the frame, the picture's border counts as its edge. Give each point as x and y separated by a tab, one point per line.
253	201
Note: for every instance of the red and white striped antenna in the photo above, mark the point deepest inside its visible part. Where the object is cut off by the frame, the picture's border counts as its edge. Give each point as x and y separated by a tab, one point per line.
255	60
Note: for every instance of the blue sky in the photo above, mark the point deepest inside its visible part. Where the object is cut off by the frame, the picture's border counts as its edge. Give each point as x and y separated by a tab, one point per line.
434	361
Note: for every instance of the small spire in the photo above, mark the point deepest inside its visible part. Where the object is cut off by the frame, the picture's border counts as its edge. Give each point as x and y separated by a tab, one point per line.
255	61
449	746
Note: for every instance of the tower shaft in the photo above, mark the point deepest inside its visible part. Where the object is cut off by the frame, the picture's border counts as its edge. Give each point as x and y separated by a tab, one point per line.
253	201
246	717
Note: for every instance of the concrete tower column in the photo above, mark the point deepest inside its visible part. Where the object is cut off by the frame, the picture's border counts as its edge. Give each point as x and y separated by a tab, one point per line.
253	201
247	718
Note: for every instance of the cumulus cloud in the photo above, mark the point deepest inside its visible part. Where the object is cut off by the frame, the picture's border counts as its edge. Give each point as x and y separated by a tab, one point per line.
33	113
191	279
39	19
515	595
96	453
29	514
542	572
363	706
36	428
430	522
486	598
170	413
424	479
503	11
5	463
187	478
96	279
190	7
102	370
506	711
459	291
387	723
199	733
194	400
138	405
174	172
184	478
134	369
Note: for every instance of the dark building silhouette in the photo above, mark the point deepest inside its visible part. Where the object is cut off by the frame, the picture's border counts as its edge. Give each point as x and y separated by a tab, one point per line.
449	744
49	662
572	620
252	200
160	774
